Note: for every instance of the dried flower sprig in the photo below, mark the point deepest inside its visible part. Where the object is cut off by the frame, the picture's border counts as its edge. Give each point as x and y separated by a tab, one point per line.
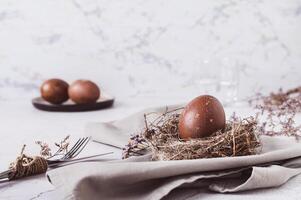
278	111
46	150
137	146
63	145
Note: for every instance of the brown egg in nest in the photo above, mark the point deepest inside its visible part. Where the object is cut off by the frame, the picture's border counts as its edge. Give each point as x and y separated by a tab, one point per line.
84	92
203	116
54	91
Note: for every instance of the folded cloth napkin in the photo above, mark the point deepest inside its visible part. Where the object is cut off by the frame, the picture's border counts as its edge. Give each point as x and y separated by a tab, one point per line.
140	178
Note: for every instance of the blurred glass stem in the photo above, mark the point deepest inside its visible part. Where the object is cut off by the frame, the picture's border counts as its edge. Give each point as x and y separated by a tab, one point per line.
228	81
207	77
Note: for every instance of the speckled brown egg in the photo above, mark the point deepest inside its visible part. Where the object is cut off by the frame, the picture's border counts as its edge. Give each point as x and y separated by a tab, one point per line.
84	92
55	91
203	116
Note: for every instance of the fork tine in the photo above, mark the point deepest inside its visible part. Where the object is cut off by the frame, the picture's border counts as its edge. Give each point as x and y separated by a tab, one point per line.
75	146
70	153
59	150
81	148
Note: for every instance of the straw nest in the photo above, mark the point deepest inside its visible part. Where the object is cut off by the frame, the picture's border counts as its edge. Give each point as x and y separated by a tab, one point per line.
160	136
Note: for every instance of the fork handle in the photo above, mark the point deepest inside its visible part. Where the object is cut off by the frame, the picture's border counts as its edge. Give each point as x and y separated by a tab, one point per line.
55	163
4	175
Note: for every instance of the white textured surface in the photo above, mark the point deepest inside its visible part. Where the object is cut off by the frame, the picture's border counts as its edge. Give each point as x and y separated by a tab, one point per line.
130	47
143	52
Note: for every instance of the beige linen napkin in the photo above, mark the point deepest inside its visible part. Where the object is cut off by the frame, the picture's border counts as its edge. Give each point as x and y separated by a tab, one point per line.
139	178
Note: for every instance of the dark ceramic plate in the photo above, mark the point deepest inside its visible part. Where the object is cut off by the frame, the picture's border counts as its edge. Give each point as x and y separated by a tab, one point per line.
105	101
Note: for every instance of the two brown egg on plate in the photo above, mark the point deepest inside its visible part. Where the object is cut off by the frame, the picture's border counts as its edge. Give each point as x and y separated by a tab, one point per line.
57	91
201	117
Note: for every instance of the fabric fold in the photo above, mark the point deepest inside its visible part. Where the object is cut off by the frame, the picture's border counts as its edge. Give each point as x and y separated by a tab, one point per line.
261	177
134	180
141	178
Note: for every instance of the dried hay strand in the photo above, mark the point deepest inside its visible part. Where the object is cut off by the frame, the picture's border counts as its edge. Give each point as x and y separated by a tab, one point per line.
160	136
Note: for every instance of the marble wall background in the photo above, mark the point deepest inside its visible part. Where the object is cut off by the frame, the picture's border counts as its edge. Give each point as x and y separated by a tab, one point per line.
147	48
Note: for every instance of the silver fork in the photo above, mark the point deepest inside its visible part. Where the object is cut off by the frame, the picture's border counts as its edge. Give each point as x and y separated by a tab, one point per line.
68	157
72	153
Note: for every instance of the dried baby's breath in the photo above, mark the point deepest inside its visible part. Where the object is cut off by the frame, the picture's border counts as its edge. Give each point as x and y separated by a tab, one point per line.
45	149
62	146
278	111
